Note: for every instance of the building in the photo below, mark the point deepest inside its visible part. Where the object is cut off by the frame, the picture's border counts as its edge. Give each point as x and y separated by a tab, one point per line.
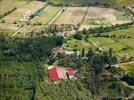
71	73
56	72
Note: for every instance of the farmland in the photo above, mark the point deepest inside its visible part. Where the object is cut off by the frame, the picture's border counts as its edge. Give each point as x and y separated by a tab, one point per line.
97	16
91	38
18	14
47	14
72	15
6	5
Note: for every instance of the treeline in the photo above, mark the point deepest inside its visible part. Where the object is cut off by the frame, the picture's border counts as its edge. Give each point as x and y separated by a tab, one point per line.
8	12
99	30
28	49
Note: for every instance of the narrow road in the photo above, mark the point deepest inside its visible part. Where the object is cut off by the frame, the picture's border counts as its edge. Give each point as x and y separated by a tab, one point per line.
17	31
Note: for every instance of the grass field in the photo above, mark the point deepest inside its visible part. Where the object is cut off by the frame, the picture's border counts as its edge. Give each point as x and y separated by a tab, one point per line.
78	45
117	46
72	15
97	16
127	66
6	5
48	13
18	14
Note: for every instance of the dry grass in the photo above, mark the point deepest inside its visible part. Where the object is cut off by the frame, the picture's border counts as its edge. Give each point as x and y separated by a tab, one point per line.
6	5
72	15
102	16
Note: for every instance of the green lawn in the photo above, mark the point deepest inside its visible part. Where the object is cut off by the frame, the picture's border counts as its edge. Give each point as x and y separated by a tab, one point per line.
78	45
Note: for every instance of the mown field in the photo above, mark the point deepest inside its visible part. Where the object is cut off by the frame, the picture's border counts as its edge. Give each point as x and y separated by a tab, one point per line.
46	15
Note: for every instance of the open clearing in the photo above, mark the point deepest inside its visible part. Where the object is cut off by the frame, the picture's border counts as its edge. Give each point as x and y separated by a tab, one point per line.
78	45
47	14
97	16
72	15
6	5
18	14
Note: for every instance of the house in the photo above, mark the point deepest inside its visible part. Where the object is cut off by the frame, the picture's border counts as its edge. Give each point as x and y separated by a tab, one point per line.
56	72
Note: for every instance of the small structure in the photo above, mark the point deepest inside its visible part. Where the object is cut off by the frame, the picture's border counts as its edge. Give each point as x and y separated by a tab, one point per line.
71	73
56	72
69	52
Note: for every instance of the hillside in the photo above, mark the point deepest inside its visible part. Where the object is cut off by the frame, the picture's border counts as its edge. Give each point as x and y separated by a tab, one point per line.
95	2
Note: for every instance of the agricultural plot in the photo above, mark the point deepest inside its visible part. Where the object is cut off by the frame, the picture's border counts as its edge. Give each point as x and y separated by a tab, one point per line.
106	43
8	27
97	16
18	14
48	13
6	5
72	15
121	47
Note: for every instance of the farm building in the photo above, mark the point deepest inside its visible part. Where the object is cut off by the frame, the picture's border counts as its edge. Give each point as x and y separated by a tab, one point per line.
56	72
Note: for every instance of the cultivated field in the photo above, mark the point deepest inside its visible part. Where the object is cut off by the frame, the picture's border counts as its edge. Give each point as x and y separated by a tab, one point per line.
8	27
97	16
120	46
46	15
72	15
18	14
6	5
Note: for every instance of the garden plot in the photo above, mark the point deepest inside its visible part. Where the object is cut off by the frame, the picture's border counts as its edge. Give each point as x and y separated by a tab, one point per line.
18	14
103	17
72	15
48	13
7	5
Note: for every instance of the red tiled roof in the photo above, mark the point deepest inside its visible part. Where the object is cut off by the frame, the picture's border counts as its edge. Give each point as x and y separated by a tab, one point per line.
56	73
71	72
